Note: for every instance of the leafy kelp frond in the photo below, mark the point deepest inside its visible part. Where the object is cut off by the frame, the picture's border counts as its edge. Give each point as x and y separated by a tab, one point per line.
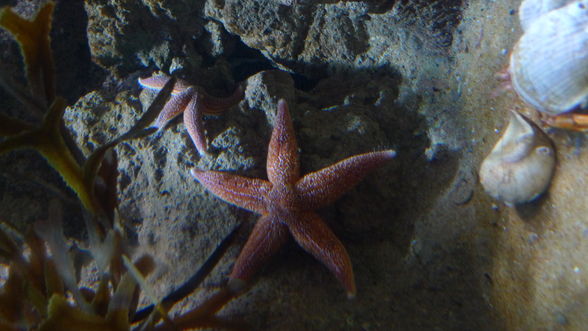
20	93
35	45
64	317
51	232
48	139
9	250
23	296
11	126
92	165
147	290
43	292
34	295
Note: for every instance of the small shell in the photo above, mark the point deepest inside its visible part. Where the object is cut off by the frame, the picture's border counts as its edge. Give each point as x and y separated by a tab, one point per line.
549	64
530	10
521	164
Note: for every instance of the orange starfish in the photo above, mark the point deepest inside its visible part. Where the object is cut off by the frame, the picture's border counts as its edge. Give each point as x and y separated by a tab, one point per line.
196	103
287	203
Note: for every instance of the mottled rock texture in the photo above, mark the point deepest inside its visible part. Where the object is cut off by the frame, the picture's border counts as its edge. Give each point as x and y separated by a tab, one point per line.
430	249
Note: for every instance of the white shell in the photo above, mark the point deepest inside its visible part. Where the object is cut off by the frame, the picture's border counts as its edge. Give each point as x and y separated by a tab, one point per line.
521	164
530	10
549	64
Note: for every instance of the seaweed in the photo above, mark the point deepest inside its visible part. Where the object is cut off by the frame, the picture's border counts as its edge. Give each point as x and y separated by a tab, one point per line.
49	138
43	289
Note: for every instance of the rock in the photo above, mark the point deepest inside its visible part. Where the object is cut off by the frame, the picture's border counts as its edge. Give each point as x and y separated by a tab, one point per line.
336	35
266	88
430	249
127	35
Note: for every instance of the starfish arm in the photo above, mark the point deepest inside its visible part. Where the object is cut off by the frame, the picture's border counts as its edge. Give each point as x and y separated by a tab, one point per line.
267	237
312	234
157	81
244	192
324	186
195	125
283	165
216	105
176	104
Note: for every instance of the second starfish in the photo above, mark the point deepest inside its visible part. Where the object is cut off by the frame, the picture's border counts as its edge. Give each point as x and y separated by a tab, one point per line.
287	203
194	102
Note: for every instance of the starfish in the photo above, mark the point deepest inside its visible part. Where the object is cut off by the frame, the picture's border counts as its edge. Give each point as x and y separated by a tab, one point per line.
287	202
194	102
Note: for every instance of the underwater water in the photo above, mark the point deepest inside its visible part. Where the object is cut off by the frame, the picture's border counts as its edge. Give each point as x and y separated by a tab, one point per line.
414	236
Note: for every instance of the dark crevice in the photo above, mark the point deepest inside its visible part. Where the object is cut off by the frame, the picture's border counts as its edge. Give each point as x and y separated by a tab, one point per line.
76	74
246	61
304	83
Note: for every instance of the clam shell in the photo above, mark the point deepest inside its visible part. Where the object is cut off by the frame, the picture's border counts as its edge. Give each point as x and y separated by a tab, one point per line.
549	64
530	10
520	166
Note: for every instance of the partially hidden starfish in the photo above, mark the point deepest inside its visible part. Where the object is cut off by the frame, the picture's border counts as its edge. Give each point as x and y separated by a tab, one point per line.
287	203
194	102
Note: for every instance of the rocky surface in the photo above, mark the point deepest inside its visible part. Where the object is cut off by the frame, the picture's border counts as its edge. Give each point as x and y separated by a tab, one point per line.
430	249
